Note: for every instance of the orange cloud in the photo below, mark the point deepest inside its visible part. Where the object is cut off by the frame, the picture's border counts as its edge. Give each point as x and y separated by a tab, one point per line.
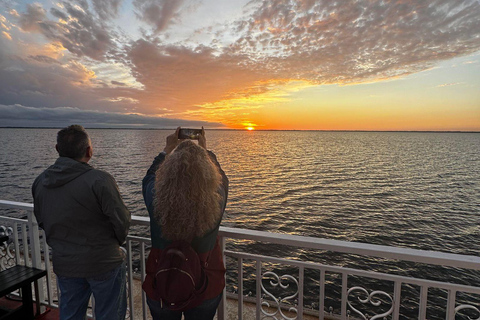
241	110
80	74
6	35
14	13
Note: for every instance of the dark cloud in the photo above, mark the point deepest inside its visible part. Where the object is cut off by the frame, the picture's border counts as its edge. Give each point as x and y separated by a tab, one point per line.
44	59
84	35
107	9
117	83
30	20
82	32
3	55
42	81
18	115
356	41
157	13
59	14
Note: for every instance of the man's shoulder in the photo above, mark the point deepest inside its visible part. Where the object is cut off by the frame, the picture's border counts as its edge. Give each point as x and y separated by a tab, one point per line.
100	177
99	172
102	174
37	181
40	176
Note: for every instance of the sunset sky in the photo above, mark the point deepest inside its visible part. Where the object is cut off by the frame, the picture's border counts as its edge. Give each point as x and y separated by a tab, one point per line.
272	64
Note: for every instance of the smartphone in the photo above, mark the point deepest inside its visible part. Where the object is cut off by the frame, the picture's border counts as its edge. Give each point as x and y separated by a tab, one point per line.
193	134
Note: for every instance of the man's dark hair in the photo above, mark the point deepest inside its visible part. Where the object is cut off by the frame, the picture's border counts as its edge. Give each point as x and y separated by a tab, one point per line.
72	142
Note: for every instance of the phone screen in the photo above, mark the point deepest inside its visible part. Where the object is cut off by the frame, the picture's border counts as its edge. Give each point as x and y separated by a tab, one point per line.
193	134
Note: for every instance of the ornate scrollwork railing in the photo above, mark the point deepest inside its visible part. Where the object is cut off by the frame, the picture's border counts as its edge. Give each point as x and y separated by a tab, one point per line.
277	282
465	307
7	249
370	298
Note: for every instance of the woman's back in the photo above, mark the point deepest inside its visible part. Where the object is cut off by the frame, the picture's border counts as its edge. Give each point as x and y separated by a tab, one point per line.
185	191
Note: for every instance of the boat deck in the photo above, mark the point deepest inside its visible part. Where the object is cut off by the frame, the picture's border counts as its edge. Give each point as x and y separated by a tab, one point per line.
49	314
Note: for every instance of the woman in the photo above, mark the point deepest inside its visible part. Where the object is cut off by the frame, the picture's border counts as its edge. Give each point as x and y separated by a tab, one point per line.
185	191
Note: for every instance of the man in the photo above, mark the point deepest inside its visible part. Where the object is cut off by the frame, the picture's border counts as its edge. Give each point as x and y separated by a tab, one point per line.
85	222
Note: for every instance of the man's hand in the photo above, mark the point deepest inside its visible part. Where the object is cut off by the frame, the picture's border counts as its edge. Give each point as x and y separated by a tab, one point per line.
172	141
202	141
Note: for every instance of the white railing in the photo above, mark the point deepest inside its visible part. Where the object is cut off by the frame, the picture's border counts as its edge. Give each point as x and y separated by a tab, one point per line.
25	247
277	300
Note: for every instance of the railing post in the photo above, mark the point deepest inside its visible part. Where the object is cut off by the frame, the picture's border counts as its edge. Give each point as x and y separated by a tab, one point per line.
240	289
222	308
34	236
422	312
258	296
452	295
301	280
143	274
321	302
130	278
397	299
343	312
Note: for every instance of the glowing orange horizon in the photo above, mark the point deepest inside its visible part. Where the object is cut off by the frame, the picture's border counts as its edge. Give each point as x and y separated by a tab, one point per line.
377	106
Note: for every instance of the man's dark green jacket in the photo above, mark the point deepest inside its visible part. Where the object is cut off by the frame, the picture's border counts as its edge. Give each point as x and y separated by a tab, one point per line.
84	218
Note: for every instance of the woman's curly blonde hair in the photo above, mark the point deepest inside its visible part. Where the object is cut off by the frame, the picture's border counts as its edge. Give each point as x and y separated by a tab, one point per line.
187	201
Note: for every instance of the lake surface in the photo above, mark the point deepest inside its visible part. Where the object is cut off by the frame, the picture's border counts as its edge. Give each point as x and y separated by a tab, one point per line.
406	189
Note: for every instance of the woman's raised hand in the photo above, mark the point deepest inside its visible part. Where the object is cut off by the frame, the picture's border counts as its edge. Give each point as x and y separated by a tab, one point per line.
172	141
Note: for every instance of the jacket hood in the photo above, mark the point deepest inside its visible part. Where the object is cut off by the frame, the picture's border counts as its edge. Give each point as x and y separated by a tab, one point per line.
63	171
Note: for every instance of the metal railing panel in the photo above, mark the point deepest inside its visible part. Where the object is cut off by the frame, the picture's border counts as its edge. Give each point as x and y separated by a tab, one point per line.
357	272
29	254
426	257
414	255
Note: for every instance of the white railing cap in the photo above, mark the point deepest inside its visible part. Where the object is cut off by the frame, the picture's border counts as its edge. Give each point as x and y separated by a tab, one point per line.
16	205
365	249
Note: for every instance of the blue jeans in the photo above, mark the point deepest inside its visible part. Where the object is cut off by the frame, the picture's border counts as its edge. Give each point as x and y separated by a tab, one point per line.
205	311
109	291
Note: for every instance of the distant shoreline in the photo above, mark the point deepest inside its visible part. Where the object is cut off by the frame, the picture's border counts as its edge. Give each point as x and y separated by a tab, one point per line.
261	130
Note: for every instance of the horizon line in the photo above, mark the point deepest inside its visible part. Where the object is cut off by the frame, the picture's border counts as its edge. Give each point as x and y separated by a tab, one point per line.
234	129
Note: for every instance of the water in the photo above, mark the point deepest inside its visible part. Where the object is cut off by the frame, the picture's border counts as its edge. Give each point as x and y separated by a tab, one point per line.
415	190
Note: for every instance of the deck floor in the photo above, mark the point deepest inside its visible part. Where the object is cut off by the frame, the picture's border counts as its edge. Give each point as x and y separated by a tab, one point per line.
54	314
49	314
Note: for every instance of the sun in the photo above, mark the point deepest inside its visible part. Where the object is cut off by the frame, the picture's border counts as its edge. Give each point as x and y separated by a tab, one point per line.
247	125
